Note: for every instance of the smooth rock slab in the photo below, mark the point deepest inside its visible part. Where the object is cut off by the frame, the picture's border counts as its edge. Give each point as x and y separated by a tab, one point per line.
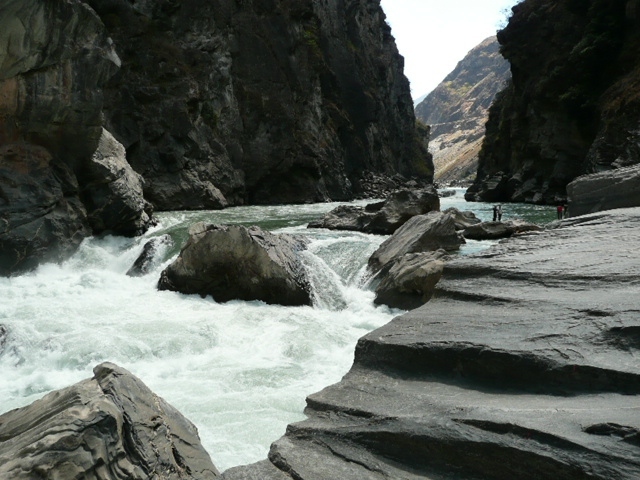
108	427
240	263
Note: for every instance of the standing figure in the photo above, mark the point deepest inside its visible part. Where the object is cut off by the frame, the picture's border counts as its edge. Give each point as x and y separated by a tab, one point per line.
560	212
495	213
499	213
565	214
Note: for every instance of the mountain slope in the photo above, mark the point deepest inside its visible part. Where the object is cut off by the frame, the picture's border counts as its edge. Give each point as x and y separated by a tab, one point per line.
457	110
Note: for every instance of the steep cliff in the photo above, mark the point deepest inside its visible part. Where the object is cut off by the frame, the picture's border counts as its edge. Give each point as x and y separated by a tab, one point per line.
54	57
573	106
212	103
458	108
260	101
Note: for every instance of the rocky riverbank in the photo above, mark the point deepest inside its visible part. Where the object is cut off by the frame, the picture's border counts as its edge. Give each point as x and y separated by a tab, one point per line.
523	365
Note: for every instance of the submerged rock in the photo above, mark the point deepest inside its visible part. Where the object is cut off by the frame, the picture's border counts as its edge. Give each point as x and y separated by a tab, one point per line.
240	263
619	188
108	427
148	258
384	217
411	280
422	233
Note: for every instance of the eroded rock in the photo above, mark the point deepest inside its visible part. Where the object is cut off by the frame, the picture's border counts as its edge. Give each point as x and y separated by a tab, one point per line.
239	263
384	217
149	257
422	233
110	426
112	192
411	280
497	230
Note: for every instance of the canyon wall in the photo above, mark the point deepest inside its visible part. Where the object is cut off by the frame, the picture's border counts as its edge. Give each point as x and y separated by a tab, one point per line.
224	103
110	109
573	106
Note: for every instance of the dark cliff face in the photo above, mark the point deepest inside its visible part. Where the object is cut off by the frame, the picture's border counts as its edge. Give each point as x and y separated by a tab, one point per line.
261	101
50	124
216	103
573	107
457	110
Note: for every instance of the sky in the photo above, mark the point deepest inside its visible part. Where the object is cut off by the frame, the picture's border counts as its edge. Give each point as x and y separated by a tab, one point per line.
434	35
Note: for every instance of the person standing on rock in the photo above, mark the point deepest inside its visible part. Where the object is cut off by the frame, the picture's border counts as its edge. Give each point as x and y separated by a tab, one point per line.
560	211
499	213
495	213
565	213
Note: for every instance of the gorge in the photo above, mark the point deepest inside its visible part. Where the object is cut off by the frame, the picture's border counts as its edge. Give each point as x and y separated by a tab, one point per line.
128	122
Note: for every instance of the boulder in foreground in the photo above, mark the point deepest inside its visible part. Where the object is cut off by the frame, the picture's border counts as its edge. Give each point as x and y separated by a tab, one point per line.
108	427
232	262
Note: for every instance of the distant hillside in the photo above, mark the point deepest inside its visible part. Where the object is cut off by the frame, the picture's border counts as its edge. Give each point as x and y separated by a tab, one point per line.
457	111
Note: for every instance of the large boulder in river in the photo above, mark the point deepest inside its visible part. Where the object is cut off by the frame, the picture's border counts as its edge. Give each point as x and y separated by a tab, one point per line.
422	233
112	191
384	217
411	280
108	427
240	263
618	188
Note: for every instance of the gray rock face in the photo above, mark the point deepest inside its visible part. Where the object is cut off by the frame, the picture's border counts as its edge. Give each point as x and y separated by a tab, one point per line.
422	233
239	263
462	219
523	365
497	230
108	427
112	191
618	188
382	218
50	124
411	280
259	102
149	257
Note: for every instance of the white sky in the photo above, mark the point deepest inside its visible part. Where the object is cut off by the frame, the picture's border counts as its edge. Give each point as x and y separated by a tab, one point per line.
434	35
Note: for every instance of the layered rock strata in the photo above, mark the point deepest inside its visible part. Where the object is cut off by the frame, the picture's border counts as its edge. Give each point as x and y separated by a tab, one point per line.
523	365
572	108
458	108
228	102
110	426
231	262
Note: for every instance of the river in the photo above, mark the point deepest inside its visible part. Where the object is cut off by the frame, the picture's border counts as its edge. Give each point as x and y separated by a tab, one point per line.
241	370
